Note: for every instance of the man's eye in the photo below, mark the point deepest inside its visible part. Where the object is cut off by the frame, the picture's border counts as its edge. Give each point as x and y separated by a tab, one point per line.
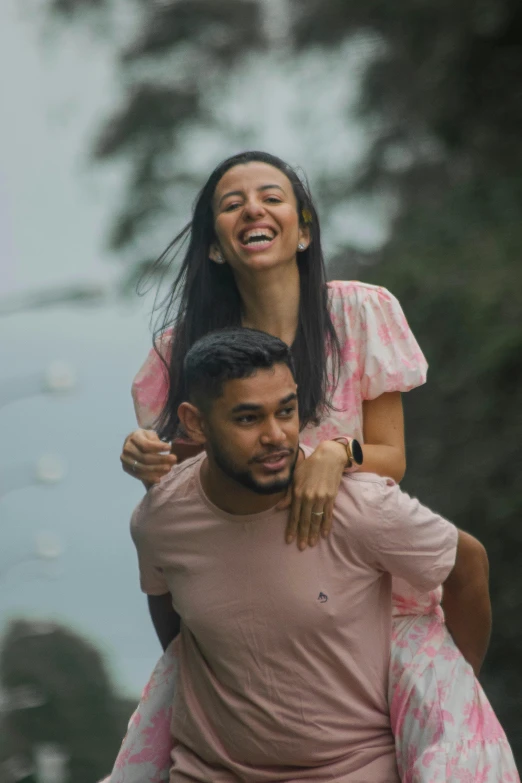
287	411
246	419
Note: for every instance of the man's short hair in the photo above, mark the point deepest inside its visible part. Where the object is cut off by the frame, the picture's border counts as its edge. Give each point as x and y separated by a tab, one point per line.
227	355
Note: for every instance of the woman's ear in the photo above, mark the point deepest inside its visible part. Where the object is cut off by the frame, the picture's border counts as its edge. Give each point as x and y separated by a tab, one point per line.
215	254
191	420
305	237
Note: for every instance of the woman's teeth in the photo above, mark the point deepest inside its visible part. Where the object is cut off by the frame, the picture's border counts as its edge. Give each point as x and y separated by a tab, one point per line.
258	238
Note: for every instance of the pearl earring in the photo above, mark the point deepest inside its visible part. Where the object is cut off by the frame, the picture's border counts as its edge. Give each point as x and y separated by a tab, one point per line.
219	259
301	246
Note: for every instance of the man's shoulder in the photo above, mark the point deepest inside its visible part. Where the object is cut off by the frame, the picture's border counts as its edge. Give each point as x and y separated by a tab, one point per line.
365	495
181	478
180	485
369	485
369	478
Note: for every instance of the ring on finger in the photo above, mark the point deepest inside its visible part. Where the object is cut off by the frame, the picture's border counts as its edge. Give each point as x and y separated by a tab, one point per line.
134	465
318	513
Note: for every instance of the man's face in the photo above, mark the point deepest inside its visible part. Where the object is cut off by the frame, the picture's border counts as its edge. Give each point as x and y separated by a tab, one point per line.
253	430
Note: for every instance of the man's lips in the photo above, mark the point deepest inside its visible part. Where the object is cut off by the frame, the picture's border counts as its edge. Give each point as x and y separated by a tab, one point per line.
274	461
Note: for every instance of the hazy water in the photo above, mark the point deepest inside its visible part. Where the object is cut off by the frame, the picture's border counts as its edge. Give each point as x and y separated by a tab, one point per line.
95	589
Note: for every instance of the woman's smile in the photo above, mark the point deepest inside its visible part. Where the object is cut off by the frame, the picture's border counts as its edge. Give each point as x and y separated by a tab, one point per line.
257	238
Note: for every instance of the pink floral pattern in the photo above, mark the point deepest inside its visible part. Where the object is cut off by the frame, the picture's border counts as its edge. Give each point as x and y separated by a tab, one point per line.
443	734
145	752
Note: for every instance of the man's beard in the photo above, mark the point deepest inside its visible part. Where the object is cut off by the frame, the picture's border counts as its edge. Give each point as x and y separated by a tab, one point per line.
244	477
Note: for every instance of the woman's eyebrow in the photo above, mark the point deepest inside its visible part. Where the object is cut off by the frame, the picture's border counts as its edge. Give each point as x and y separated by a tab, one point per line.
271	187
241	193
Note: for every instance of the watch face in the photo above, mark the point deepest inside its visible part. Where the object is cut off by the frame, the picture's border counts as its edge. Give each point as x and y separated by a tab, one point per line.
357	452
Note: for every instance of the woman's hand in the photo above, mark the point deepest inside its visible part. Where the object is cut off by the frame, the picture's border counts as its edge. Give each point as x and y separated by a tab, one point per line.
146	457
312	494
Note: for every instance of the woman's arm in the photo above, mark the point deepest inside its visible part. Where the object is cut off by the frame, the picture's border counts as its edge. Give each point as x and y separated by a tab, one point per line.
144	456
316	481
382	358
383	429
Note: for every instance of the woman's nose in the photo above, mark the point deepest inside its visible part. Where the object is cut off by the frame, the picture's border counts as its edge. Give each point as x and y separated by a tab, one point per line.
254	208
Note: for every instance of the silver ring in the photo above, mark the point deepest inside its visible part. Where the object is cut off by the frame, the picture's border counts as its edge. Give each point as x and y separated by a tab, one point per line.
134	465
318	513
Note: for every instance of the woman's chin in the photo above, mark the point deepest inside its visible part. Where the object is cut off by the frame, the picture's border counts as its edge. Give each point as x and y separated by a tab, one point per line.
265	261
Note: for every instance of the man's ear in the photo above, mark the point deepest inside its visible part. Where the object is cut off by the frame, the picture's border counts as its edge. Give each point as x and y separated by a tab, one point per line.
191	420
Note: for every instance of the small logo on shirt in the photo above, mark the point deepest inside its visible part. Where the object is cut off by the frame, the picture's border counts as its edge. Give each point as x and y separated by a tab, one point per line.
322	598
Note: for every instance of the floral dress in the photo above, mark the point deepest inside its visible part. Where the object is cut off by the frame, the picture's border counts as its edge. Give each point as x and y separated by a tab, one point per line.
442	733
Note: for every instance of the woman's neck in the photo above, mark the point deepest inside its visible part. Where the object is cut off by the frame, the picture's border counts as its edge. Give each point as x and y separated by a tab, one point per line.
270	302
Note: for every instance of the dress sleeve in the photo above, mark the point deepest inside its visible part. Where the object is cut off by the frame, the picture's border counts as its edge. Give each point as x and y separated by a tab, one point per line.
389	356
150	386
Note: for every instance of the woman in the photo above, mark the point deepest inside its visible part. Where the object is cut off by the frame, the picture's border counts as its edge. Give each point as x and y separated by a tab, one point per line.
254	258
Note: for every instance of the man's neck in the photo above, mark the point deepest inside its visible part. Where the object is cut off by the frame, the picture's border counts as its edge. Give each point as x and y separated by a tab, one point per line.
232	497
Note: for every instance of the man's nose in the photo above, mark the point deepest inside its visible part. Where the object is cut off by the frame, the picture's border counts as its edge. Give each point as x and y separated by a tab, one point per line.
272	433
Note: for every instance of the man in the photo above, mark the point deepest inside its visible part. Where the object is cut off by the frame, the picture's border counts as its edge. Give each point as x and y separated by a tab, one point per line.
283	655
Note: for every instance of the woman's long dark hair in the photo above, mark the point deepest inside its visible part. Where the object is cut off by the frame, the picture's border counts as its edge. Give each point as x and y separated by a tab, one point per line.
205	297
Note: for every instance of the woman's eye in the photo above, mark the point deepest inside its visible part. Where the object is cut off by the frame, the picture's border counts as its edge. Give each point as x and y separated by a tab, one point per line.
230	207
273	200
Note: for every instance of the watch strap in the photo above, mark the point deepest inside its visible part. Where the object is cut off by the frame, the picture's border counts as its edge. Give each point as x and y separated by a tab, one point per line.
353	453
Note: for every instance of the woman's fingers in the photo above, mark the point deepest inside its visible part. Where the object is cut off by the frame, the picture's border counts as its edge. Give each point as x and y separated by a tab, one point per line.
309	517
293	517
145	443
285	503
328	518
305	522
150	460
148	442
150	473
318	514
146	457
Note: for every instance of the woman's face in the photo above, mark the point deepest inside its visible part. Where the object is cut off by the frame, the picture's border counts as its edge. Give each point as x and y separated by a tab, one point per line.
256	220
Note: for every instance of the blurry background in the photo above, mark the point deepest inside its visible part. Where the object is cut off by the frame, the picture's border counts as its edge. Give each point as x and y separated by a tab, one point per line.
407	122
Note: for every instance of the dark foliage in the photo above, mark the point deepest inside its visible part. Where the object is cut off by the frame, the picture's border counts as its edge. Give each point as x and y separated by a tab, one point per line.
224	30
69	8
58	692
444	84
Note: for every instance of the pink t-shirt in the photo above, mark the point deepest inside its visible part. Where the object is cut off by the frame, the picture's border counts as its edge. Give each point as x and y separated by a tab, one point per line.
284	654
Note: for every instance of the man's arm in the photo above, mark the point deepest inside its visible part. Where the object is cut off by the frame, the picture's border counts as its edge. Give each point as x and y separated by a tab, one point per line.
466	601
166	620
